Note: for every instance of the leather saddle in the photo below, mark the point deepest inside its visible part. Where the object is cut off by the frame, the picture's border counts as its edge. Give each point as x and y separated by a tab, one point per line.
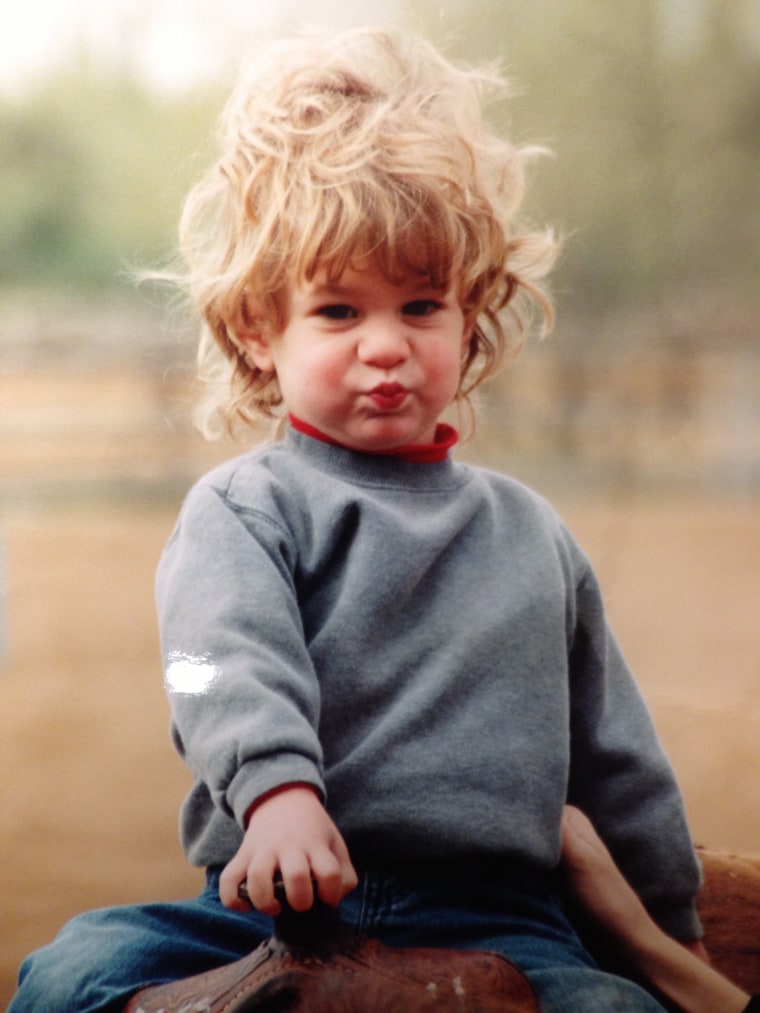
314	964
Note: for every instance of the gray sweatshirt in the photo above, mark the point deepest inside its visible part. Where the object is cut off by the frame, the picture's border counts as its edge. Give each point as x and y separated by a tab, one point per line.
424	643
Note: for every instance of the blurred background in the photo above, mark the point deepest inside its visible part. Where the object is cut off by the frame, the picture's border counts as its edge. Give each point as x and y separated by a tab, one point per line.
639	416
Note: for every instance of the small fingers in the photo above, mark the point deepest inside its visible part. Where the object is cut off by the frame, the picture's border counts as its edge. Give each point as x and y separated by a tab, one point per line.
259	885
297	881
328	869
244	885
328	875
332	874
231	878
348	876
321	874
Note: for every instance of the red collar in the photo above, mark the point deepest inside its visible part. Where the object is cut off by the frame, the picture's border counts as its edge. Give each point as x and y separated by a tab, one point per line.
426	453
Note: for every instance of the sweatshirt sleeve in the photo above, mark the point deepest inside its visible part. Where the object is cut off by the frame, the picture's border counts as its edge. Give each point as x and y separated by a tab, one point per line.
620	776
242	689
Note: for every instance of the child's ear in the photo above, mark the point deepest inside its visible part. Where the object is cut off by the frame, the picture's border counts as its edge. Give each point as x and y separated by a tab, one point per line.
257	346
254	336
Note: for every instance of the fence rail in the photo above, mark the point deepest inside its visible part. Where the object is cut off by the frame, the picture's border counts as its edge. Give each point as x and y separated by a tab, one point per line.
128	428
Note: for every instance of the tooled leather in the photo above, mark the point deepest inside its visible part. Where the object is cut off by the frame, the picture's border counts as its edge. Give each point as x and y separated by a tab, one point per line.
363	977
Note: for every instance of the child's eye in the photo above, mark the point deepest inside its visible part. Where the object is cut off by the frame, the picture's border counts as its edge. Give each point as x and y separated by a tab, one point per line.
337	311
421	307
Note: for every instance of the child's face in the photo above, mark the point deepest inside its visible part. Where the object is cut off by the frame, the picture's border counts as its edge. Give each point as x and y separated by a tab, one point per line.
370	363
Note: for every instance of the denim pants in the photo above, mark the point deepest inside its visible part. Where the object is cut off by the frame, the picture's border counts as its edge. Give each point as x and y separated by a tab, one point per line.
101	958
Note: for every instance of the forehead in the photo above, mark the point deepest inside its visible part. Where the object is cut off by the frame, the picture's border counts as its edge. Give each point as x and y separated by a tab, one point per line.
366	275
371	273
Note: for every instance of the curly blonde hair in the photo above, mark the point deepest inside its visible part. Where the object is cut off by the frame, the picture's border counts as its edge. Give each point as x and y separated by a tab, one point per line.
335	150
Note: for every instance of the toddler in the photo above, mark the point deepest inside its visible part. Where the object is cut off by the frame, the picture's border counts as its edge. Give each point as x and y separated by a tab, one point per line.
388	671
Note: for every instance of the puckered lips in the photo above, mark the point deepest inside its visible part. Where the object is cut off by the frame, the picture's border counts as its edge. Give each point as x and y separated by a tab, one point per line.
388	396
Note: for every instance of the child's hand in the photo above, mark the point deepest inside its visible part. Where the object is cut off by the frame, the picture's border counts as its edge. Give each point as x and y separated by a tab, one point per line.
291	832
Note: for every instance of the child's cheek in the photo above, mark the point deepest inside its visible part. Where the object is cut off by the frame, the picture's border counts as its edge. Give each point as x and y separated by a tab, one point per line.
331	368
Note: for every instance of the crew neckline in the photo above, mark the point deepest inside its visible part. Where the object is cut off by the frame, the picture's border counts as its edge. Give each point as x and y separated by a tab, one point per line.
446	437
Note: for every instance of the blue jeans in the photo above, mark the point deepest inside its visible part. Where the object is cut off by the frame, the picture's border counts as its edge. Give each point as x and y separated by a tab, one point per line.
101	958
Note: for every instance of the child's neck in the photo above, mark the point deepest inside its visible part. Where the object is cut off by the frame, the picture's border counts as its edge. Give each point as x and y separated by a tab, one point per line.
425	453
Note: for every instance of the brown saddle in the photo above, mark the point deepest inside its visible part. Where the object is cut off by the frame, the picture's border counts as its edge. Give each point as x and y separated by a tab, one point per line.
729	906
314	964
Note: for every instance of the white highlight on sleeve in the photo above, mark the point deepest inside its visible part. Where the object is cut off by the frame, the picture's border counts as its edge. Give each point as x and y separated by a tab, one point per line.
192	675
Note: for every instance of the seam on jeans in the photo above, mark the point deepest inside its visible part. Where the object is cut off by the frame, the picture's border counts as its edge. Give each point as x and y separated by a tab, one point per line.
375	904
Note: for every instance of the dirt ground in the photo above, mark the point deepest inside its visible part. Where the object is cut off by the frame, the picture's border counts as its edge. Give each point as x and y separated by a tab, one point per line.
91	787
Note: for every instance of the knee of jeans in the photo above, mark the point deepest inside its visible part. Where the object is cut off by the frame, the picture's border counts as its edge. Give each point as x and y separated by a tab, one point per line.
567	990
45	986
65	976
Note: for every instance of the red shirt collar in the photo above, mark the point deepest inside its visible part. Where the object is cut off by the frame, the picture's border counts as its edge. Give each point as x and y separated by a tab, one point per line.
425	453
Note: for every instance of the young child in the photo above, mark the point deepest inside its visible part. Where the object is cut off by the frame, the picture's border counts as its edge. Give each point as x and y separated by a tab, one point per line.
385	668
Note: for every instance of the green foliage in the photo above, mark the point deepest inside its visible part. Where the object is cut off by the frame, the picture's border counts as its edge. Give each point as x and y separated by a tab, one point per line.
92	175
656	132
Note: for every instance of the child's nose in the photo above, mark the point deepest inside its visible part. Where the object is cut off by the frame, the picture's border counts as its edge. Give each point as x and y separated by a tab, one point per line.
384	344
